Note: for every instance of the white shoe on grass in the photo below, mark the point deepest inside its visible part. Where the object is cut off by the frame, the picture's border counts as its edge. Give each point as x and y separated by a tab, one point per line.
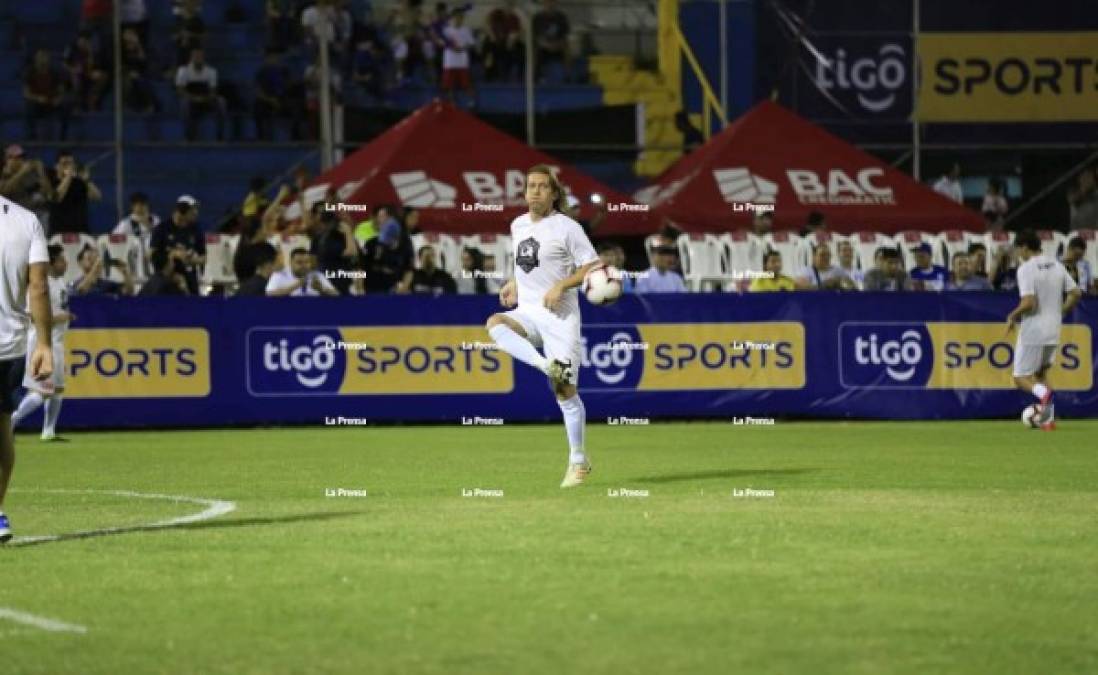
576	474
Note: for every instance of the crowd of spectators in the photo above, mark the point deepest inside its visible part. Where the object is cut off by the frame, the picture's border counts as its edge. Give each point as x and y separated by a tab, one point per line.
374	54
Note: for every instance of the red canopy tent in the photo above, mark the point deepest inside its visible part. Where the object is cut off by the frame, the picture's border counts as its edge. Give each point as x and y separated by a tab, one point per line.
464	175
770	158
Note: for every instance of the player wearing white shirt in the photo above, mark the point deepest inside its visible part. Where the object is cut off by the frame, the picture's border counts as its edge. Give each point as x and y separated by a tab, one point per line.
51	390
552	255
1042	284
23	263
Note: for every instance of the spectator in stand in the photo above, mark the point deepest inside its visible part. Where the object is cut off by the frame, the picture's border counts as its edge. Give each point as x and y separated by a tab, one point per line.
167	277
45	89
1083	201
190	31
334	247
436	42
949	185
504	51
137	89
926	276
816	221
977	254
71	190
846	263
550	28
772	264
388	264
410	46
254	264
367	229
475	279
135	17
887	274
255	202
995	205
327	20
763	223
611	253
93	281
411	220
182	234
87	75
139	224
274	98
822	275
1006	270
429	278
299	278
366	67
661	277
963	278
281	25
456	59
24	181
1077	266
196	83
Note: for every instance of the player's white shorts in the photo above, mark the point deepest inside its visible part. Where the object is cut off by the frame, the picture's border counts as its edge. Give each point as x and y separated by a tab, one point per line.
50	384
558	338
1028	359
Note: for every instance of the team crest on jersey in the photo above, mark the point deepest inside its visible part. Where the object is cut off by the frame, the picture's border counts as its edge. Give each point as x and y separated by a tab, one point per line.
527	257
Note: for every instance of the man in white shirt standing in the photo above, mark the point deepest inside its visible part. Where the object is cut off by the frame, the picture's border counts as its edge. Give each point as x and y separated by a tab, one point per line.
455	57
1042	284
552	255
196	82
949	185
299	278
23	270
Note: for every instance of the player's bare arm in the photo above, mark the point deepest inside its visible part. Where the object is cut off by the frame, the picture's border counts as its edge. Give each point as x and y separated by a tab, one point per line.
554	294
1026	305
1072	299
39	293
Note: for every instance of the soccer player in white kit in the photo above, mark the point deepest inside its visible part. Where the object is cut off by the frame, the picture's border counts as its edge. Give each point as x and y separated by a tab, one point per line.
552	255
1042	284
50	390
23	263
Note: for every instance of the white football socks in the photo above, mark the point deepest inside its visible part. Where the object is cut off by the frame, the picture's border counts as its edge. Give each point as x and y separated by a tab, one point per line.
1039	390
53	411
575	419
517	346
29	404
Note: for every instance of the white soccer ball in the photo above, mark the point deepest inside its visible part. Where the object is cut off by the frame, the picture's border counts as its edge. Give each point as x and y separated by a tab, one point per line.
1029	416
602	285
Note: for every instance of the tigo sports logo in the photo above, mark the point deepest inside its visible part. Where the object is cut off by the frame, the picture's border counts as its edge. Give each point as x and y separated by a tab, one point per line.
137	363
289	361
415	188
613	357
740	185
885	355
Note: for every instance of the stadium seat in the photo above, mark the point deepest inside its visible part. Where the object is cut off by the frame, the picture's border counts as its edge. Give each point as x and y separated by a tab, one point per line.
449	251
832	239
996	242
788	243
742	251
1052	242
952	242
700	261
866	244
71	244
123	247
218	269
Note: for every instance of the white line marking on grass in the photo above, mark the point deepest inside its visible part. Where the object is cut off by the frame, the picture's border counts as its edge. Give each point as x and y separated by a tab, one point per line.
214	508
41	622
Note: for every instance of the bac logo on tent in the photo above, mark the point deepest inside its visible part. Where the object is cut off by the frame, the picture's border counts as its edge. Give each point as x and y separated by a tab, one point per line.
740	185
415	188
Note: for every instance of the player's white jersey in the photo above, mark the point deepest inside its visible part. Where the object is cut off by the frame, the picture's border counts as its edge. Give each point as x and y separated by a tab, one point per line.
1048	281
547	252
22	243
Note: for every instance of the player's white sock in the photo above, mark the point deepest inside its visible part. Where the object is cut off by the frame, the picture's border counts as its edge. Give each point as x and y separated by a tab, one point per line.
1039	390
28	405
53	411
575	419
517	346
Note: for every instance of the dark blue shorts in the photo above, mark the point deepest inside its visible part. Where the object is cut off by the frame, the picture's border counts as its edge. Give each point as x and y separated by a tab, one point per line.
11	380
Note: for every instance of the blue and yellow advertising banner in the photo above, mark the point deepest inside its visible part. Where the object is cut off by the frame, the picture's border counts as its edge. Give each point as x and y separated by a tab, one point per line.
1008	77
202	362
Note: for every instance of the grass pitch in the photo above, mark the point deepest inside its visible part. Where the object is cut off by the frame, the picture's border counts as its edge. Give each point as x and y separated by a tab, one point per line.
887	548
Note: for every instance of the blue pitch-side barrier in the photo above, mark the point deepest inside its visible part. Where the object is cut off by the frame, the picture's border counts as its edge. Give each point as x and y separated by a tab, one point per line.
165	362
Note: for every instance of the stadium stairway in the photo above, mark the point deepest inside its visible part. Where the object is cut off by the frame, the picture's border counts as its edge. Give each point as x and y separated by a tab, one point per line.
622	83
